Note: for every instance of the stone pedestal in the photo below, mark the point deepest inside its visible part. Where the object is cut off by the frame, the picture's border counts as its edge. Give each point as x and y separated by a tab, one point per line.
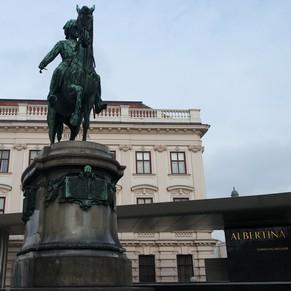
71	225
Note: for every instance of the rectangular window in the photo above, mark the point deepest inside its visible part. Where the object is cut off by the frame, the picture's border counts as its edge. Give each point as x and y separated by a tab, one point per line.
178	163
4	161
2	205
147	271
32	155
144	200
143	162
177	199
113	153
184	267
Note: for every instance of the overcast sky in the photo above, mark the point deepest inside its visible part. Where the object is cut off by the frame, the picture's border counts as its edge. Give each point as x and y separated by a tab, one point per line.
231	59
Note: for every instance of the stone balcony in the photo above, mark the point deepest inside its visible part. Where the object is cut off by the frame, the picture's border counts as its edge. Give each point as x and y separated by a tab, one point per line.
120	113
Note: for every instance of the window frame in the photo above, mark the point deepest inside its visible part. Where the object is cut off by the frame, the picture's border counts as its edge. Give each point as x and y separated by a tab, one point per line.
4	159
143	161
144	276
183	268
180	199
178	161
144	199
2	210
30	160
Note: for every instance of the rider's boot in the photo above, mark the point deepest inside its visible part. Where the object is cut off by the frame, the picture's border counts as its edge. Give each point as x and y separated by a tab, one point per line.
99	105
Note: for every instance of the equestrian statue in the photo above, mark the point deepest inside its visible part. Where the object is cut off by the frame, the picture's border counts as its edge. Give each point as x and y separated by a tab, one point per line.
75	87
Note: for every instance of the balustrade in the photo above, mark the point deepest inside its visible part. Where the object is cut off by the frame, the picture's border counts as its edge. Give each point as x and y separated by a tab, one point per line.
122	113
39	110
175	114
110	111
8	111
142	113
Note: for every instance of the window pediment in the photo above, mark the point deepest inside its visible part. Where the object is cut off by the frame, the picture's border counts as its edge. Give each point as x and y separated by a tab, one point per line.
144	189
118	188
180	189
5	188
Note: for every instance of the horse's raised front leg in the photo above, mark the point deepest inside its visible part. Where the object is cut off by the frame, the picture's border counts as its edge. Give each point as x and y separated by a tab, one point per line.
75	119
51	121
86	122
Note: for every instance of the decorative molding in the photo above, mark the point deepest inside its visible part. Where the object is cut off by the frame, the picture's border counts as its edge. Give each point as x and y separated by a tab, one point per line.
195	148
160	148
97	128
206	243
125	148
190	242
158	242
118	188
198	132
38	147
184	234
180	190
144	189
145	234
20	147
5	188
142	130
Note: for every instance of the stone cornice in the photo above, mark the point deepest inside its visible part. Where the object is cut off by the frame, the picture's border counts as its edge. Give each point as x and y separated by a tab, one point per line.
97	128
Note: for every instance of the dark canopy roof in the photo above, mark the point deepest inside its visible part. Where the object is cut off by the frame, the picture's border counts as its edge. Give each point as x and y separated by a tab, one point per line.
206	214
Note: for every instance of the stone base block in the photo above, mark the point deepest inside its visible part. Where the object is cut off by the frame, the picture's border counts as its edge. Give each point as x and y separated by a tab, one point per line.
71	269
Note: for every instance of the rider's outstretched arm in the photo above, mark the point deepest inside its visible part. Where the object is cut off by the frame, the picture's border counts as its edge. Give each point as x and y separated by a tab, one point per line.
51	55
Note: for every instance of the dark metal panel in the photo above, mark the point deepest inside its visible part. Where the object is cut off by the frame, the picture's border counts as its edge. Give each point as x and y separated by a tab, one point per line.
206	214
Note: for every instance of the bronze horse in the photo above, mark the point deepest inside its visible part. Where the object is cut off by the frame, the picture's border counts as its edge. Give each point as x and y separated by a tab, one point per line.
80	90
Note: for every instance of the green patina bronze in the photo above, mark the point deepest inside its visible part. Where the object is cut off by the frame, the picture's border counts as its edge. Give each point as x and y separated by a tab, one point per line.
75	87
85	189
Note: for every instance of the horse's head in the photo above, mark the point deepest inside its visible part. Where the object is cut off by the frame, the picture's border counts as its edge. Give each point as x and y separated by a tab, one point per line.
85	32
85	18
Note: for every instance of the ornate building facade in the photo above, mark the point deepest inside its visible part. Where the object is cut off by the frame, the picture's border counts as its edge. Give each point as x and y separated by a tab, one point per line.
162	151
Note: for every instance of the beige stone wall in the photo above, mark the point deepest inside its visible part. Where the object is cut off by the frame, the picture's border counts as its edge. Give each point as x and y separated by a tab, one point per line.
125	131
166	247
